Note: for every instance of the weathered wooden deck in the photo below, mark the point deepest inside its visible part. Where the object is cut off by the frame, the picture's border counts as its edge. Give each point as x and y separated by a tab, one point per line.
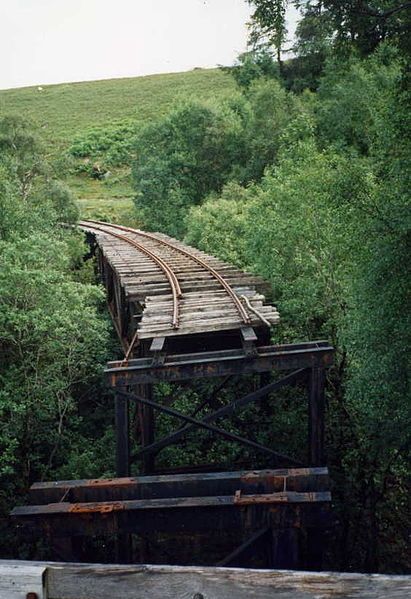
40	580
175	289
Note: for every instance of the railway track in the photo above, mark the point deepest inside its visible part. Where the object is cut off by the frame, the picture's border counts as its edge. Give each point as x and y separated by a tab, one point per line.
168	272
178	290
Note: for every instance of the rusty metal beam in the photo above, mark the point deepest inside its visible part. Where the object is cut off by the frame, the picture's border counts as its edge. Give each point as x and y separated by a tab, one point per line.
192	514
221	363
181	485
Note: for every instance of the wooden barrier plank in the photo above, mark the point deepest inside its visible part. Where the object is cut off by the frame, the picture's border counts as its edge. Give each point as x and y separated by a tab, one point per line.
17	580
106	581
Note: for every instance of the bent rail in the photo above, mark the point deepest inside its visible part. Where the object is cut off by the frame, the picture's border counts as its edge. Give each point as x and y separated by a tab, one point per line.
169	273
236	301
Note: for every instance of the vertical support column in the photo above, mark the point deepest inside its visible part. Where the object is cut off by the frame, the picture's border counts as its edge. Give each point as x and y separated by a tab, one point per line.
315	548
64	549
122	436
285	540
286	549
123	549
147	428
123	544
316	409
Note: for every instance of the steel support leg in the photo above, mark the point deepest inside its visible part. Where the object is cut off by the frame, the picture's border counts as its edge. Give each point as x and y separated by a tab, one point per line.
122	437
147	428
286	549
316	409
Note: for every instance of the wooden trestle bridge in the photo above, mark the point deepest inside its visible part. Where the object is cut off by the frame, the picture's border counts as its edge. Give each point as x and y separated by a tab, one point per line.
182	315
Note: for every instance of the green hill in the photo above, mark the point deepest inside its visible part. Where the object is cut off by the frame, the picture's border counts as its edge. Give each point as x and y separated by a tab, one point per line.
66	111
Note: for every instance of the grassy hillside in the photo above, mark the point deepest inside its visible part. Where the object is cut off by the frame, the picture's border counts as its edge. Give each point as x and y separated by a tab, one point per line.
65	111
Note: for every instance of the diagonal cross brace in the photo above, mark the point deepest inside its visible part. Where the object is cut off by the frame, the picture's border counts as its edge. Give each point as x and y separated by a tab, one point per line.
225	411
203	424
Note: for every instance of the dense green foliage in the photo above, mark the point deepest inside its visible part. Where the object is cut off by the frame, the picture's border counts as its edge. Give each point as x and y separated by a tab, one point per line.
198	147
52	336
300	173
359	24
316	199
182	158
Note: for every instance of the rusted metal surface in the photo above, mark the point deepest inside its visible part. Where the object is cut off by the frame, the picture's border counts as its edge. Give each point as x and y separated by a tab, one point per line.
247	502
282	497
182	485
99	508
172	503
110	482
178	367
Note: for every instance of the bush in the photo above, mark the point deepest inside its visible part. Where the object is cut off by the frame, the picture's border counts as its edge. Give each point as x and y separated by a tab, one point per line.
113	143
181	159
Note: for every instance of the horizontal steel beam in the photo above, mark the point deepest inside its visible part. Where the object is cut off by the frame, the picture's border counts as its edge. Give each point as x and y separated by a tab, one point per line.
181	485
221	363
190	514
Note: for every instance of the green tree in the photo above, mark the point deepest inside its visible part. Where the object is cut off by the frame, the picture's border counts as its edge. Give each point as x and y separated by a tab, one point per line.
353	23
271	110
53	337
182	158
252	65
377	336
219	225
268	25
352	98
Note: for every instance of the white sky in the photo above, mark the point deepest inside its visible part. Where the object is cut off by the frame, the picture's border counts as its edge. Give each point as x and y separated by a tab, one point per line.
55	41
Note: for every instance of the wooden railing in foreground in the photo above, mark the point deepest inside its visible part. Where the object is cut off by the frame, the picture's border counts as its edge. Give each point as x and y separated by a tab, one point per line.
41	580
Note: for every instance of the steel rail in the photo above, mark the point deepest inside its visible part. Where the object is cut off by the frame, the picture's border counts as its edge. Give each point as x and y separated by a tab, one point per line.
169	273
238	304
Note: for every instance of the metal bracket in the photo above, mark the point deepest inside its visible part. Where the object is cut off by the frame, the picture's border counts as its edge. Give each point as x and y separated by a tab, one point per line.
157	346
248	339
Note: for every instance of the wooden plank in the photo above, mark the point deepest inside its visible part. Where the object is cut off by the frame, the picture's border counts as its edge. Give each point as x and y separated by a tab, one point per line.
248	334
225	314
218	325
18	580
106	581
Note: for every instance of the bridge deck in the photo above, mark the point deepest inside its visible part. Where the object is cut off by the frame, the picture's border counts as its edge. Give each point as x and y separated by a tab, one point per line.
175	289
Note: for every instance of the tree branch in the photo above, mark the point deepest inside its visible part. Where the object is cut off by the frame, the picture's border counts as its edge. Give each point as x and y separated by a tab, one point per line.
374	12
